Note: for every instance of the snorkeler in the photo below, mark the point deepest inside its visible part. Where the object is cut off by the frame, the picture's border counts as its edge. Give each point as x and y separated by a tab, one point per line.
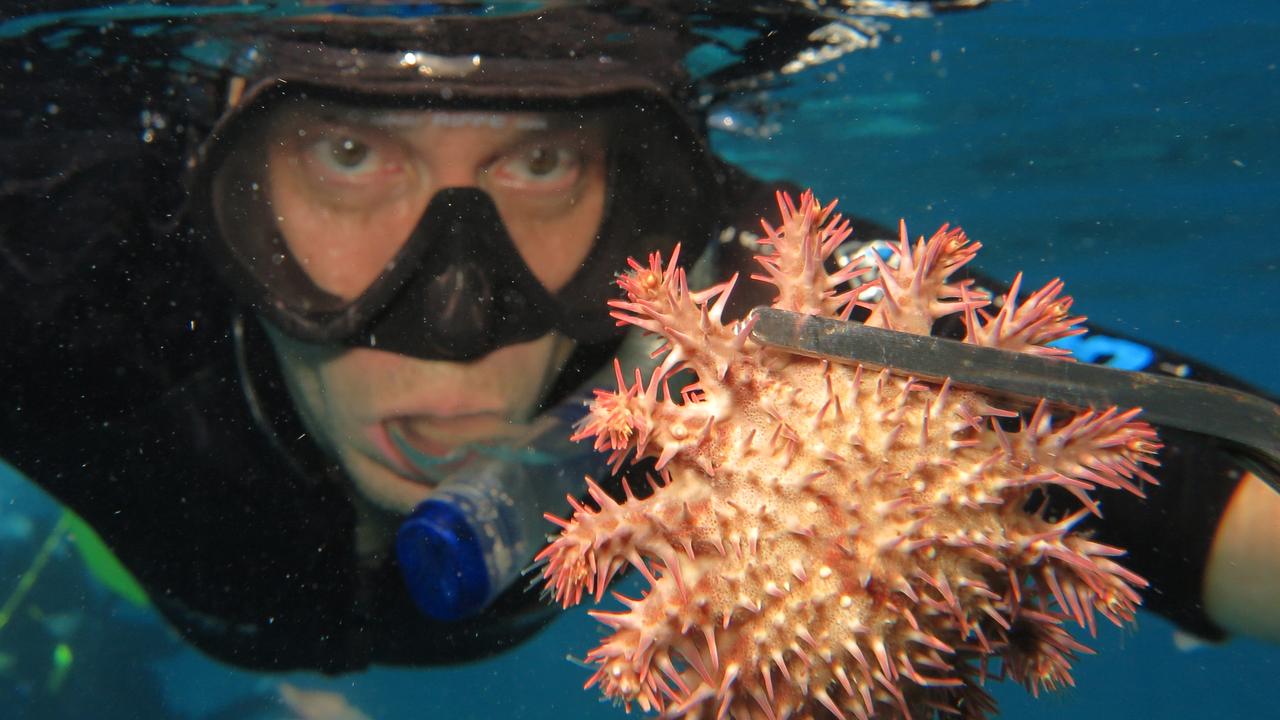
301	352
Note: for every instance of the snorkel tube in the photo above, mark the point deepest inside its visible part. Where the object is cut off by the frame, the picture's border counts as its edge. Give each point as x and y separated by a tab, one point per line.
479	530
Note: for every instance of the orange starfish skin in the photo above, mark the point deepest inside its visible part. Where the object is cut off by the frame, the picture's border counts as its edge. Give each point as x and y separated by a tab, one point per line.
830	541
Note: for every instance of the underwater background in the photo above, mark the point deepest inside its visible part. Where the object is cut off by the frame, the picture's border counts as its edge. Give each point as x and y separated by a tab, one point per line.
1127	147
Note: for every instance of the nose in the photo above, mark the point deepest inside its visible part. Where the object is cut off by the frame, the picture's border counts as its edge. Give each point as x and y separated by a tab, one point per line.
453	174
473	293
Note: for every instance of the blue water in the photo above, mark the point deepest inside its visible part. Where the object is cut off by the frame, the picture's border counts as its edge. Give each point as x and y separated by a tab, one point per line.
1129	148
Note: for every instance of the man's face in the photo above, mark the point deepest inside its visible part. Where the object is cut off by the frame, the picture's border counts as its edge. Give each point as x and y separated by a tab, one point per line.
347	190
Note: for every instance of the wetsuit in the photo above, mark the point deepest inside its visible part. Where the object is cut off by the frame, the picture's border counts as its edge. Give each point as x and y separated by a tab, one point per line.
126	399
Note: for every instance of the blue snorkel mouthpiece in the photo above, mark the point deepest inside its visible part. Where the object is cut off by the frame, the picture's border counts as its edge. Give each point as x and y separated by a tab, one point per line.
461	547
474	536
442	554
478	532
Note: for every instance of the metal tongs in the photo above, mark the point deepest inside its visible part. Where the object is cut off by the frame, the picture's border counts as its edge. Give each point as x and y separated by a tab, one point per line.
1247	424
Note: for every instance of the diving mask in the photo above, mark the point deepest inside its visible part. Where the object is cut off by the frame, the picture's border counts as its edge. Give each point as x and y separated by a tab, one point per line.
440	231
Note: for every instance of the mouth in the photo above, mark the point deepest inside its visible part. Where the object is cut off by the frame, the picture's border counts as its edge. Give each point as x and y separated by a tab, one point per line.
429	448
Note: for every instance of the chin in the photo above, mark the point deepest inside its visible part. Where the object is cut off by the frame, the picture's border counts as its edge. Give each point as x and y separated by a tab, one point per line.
385	489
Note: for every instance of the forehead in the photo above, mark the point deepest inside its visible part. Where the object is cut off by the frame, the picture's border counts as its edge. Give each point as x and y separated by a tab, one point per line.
410	119
468	119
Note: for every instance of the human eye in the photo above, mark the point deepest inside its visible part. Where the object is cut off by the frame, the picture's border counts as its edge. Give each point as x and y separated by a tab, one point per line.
350	157
345	155
540	167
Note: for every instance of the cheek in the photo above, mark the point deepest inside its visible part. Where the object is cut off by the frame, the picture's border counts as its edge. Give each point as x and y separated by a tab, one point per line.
340	391
525	371
343	251
319	396
555	248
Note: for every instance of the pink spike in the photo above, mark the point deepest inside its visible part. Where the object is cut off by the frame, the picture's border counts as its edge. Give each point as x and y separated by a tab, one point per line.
829	704
708	633
782	666
668	453
727	680
766	672
886	665
563	524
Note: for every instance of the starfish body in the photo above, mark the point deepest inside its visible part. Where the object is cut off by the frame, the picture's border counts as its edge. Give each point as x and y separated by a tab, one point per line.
826	540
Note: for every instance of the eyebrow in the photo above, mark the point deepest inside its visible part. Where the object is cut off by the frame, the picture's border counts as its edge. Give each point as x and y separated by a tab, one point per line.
400	119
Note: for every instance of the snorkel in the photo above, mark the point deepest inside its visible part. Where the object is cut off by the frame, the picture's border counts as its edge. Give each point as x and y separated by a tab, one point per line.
479	530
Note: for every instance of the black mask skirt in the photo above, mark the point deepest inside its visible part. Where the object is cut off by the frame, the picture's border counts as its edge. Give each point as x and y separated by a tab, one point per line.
456	286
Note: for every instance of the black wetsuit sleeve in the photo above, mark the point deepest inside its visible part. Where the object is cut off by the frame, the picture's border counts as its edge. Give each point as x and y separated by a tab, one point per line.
1168	533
